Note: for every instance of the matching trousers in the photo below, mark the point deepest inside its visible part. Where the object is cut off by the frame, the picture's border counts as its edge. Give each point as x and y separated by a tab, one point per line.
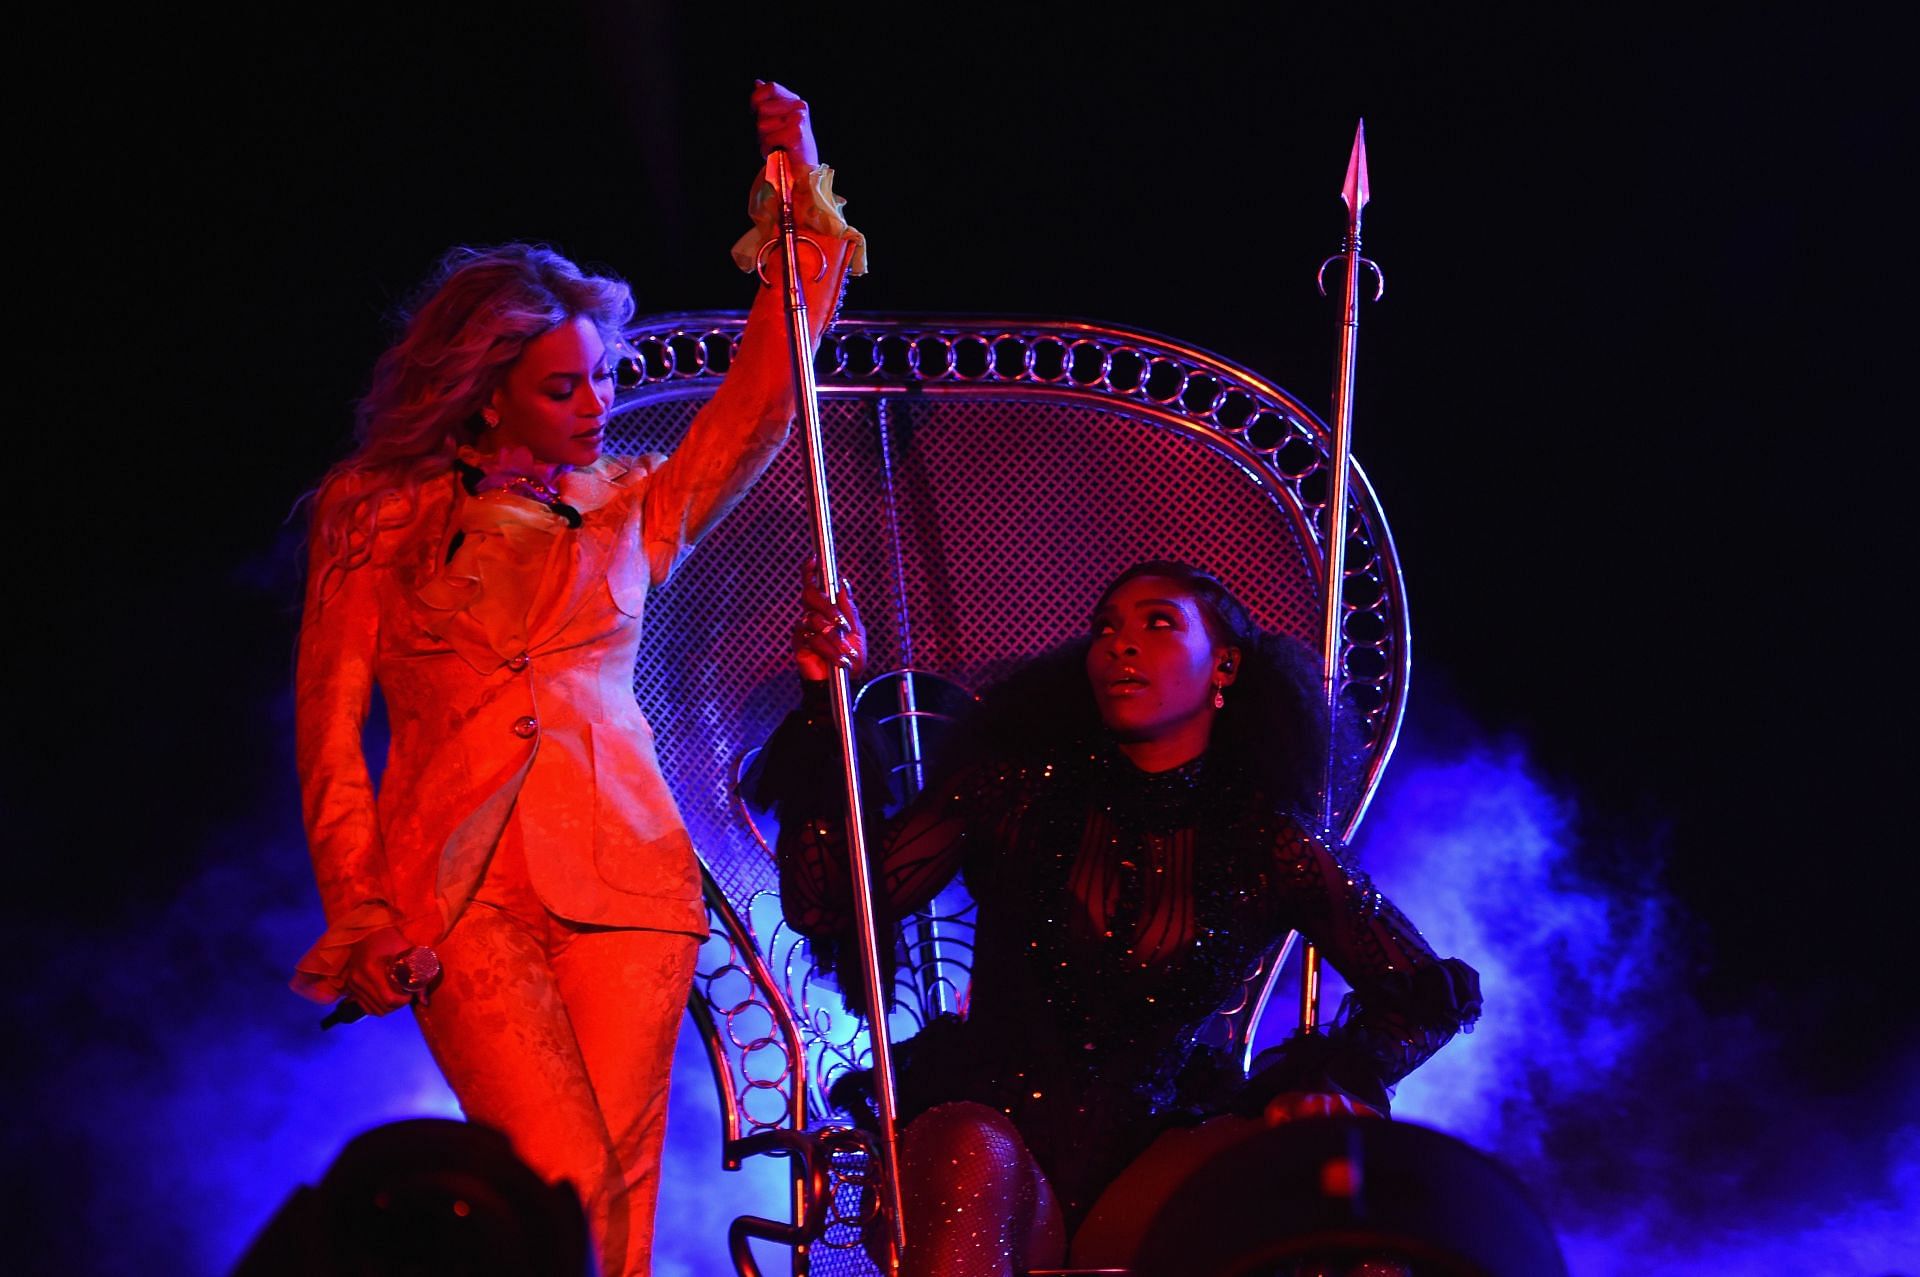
561	1036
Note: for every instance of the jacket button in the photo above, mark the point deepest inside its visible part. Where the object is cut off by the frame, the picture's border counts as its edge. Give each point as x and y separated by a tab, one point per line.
519	662
525	726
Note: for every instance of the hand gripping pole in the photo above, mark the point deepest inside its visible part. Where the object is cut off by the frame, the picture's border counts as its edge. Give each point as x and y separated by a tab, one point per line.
839	688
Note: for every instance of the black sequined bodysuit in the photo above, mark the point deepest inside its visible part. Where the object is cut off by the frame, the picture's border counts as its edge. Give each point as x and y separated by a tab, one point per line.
1118	910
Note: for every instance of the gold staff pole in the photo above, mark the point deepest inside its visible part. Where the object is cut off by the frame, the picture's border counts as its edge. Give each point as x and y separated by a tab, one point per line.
840	690
1340	466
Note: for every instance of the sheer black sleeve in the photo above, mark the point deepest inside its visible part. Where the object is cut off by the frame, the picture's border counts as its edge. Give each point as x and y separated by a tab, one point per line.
800	775
1406	1002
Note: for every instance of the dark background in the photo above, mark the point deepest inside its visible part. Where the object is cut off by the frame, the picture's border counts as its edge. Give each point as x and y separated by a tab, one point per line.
1630	401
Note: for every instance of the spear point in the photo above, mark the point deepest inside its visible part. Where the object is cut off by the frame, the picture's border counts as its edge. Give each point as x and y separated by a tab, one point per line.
1354	192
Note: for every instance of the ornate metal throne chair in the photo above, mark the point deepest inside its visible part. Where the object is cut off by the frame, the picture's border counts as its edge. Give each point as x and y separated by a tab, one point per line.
989	476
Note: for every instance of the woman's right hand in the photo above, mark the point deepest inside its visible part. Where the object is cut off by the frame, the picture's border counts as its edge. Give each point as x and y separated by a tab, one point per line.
781	119
367	977
827	634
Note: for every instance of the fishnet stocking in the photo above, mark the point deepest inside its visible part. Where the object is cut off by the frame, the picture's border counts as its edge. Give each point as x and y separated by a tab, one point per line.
975	1203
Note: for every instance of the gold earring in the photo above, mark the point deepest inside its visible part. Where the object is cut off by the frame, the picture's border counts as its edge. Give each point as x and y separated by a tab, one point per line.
1219	696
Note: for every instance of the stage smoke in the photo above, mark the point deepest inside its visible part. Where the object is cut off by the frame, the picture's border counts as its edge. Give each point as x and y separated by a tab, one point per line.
180	1092
1660	1137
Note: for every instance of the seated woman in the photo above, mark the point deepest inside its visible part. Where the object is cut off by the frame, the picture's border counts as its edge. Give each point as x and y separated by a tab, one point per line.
1130	814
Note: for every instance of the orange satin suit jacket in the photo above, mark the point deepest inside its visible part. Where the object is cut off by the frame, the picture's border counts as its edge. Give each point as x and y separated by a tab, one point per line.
547	734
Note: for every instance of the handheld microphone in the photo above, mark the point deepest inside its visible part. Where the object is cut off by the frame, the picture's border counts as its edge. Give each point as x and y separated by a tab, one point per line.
414	973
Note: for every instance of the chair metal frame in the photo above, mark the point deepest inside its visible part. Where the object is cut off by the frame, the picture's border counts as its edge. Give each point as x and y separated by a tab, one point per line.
752	1001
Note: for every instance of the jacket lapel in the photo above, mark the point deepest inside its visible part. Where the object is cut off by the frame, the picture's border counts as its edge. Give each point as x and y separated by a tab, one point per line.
583	559
594	550
440	596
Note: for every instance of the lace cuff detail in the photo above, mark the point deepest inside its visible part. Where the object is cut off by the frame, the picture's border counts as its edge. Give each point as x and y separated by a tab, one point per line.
815	208
317	975
1378	1039
800	776
797	772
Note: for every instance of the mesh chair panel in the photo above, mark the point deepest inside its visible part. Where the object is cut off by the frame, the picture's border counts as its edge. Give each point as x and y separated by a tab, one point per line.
988	478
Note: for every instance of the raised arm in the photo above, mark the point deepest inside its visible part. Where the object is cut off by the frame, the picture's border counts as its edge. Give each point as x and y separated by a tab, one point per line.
1406	1003
737	434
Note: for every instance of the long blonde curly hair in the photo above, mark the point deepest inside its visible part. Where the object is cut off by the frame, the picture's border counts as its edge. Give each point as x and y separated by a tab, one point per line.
473	317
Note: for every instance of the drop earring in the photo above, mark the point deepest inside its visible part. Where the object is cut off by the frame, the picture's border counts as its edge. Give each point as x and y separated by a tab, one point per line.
1219	696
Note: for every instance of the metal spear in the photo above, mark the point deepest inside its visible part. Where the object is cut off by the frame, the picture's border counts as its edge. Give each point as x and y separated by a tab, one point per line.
840	690
1354	193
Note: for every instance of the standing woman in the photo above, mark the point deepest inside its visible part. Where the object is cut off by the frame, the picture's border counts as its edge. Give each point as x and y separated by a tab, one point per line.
480	560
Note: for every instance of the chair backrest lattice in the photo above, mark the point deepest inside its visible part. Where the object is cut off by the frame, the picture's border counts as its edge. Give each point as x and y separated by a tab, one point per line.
989	476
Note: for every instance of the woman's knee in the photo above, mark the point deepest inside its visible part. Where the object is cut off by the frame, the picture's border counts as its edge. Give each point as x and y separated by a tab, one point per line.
965	1130
975	1200
1113	1230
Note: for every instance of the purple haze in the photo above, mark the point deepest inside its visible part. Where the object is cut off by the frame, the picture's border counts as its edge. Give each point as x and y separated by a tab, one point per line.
1659	1137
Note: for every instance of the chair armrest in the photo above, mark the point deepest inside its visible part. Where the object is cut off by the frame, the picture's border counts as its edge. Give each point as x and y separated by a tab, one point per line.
814	1150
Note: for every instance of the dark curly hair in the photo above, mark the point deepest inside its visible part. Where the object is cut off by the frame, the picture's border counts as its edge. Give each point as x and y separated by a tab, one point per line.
1267	751
1271	735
